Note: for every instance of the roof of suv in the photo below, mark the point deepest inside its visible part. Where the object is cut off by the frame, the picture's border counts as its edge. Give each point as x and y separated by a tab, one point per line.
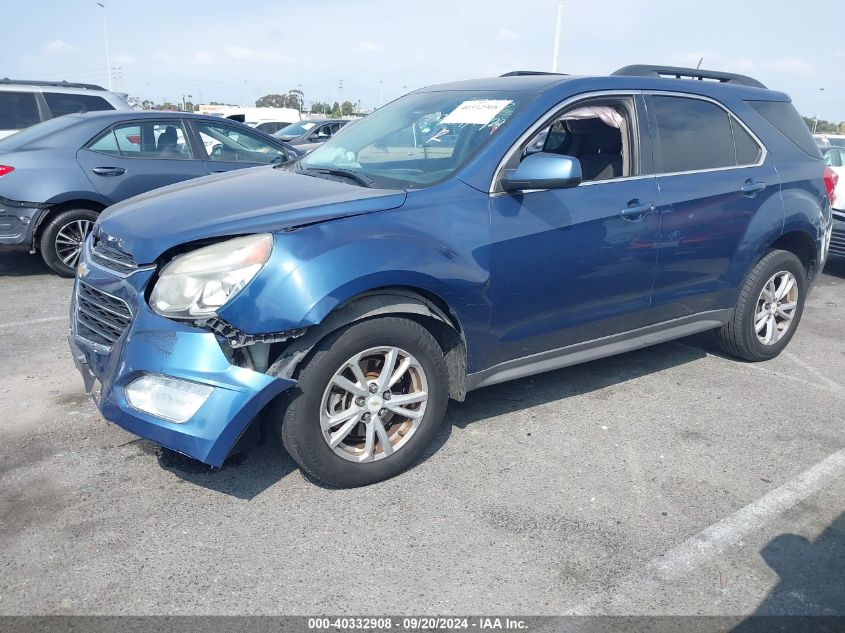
630	77
47	84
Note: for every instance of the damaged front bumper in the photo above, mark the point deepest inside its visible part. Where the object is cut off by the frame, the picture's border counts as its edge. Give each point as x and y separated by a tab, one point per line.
151	345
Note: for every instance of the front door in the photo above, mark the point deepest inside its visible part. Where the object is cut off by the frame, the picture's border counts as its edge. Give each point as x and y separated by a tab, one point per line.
575	265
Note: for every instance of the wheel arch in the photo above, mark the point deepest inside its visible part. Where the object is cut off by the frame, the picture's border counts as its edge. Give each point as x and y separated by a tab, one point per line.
423	306
59	207
799	243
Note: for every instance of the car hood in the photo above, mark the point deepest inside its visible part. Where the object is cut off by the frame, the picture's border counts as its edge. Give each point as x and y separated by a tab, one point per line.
235	203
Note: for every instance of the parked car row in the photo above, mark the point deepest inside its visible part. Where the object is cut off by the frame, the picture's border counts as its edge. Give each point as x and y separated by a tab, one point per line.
56	177
460	236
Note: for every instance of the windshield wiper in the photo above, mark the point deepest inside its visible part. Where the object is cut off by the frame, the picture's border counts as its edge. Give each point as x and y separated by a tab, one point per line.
361	179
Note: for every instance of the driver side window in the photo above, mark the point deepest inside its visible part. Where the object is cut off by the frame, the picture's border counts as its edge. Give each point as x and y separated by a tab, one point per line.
597	133
228	144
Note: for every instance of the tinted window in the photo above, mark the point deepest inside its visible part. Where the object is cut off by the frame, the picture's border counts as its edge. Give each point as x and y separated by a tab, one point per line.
61	104
785	117
747	150
223	143
163	139
18	110
692	135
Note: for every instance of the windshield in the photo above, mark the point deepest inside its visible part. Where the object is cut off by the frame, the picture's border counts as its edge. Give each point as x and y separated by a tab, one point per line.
37	132
296	129
418	140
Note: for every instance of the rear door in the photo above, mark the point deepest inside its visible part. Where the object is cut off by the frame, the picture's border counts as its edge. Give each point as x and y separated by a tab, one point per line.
229	147
134	157
715	179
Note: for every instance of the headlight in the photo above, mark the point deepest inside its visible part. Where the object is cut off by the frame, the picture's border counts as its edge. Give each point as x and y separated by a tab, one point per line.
199	283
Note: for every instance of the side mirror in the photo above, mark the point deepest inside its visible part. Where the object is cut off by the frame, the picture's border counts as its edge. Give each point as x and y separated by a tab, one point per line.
544	171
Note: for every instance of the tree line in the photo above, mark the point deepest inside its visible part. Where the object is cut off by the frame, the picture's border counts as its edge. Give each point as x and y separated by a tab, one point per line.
824	127
296	100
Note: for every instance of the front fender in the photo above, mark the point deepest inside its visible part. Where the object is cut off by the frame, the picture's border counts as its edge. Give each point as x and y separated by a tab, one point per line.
316	268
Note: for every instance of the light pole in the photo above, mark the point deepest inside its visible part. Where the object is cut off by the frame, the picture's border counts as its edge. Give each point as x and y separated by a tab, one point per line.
556	53
816	121
106	34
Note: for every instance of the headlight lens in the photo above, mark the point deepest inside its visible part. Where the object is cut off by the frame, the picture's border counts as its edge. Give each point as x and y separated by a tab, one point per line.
199	283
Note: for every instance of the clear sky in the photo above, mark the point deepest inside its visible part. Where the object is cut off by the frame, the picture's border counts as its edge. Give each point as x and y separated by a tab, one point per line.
237	51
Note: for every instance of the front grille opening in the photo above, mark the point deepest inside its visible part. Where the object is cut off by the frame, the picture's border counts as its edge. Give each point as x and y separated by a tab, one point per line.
100	317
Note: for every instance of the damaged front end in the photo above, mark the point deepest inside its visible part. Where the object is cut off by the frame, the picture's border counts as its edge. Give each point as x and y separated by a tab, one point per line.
192	386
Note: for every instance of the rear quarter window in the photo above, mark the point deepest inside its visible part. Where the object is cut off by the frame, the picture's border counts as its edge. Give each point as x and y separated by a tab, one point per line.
18	110
784	116
61	104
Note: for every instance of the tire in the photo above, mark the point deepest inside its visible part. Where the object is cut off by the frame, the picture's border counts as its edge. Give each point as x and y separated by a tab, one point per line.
303	412
739	336
55	247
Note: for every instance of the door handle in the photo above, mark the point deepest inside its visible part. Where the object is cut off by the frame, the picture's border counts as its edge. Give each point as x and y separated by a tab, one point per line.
636	210
751	188
109	171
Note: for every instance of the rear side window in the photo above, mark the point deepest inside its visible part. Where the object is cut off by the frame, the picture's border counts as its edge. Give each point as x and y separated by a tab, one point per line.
785	117
692	135
150	139
18	110
61	104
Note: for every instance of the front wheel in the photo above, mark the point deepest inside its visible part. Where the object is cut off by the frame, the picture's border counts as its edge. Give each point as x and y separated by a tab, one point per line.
62	238
769	308
369	400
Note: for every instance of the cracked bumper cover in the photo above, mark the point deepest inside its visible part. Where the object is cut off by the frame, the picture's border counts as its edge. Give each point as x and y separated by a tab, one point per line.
153	344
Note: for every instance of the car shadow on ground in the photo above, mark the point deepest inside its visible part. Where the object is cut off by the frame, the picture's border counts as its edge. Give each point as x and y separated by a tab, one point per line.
22	264
252	471
835	266
812	583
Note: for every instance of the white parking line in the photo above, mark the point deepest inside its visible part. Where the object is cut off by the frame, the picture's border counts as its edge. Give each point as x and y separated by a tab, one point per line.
835	386
710	542
32	322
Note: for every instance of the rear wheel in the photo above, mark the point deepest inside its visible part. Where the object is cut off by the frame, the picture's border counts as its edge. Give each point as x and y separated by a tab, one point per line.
769	308
62	238
369	400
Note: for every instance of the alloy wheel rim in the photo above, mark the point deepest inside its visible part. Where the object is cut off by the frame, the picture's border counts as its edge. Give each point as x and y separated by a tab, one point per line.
776	308
373	404
69	241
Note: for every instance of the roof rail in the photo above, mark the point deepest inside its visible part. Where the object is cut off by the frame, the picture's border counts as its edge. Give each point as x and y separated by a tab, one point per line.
645	70
522	73
55	84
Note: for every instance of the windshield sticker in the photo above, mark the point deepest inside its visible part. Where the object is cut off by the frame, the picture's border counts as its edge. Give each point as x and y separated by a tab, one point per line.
476	112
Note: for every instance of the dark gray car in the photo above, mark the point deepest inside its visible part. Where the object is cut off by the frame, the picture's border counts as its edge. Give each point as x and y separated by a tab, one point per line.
57	176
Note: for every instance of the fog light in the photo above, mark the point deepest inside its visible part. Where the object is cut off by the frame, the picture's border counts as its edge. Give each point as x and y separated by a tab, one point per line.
171	399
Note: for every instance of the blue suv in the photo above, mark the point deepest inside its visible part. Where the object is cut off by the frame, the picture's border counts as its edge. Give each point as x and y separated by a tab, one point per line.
464	235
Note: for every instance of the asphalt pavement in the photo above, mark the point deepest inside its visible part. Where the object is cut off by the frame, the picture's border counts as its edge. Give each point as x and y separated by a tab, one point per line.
671	480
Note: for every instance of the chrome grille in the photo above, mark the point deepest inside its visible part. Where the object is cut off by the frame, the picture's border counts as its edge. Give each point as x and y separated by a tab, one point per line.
100	318
839	215
112	258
